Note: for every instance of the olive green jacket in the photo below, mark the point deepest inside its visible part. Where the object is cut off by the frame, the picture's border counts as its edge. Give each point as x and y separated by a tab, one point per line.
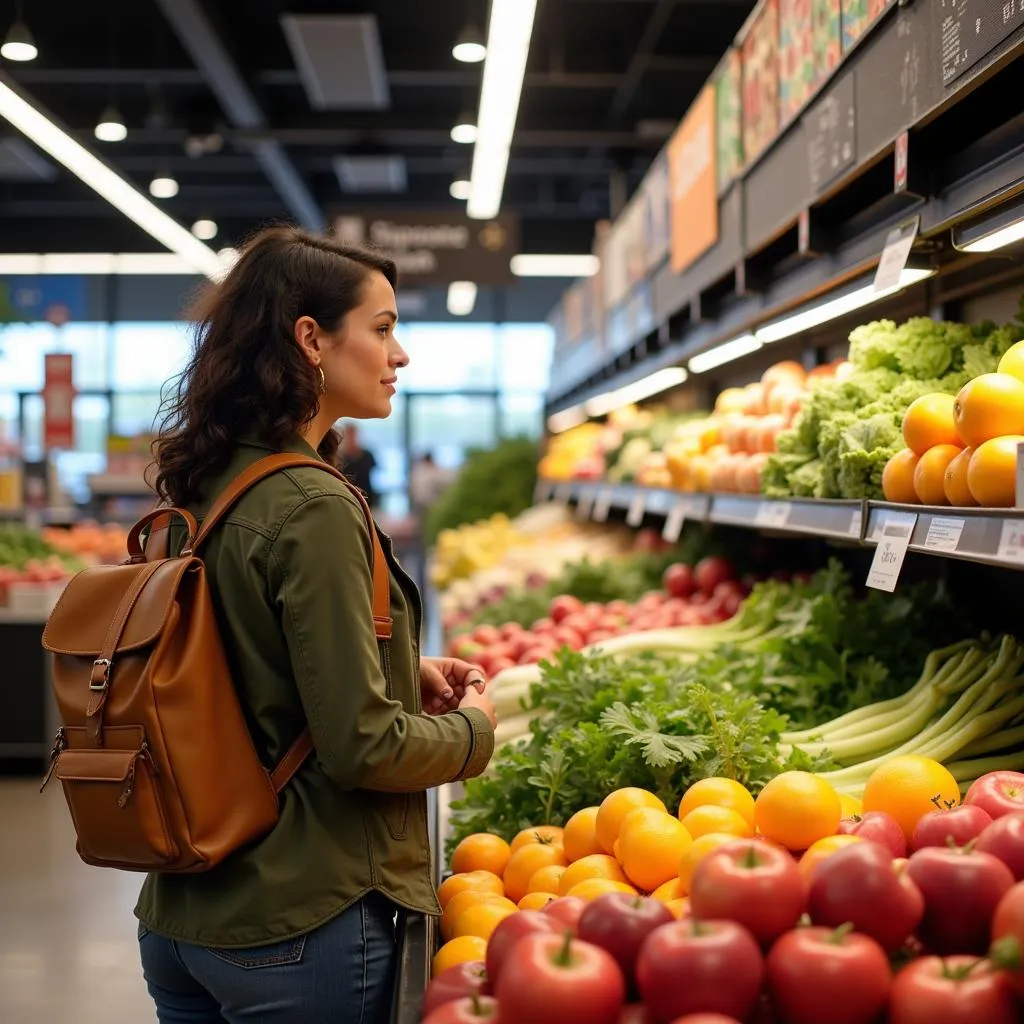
289	573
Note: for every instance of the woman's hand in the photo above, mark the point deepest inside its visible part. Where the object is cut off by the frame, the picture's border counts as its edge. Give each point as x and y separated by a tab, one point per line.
444	682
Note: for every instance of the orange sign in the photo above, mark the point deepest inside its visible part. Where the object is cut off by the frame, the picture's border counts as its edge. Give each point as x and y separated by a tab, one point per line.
58	398
693	191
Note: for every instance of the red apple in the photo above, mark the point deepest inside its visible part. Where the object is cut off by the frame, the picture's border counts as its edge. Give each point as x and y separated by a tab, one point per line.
709	572
509	933
1004	839
486	635
563	606
678	580
470	1010
511	630
457	982
499	664
567	911
619	923
542	626
959	824
998	793
877	826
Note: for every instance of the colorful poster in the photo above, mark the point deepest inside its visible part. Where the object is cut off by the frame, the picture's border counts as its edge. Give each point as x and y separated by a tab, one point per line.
693	183
58	401
858	16
729	118
826	22
761	81
796	57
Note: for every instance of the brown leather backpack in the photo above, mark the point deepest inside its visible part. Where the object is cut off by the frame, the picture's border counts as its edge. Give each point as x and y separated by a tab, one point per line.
155	758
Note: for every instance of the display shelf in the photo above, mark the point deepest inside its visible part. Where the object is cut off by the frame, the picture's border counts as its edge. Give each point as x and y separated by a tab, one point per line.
837	520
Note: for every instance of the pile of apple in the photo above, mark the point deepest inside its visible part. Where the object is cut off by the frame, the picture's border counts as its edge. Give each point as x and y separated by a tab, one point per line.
868	936
692	596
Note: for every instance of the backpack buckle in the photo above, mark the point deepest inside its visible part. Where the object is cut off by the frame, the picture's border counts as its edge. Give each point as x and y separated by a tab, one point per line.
100	678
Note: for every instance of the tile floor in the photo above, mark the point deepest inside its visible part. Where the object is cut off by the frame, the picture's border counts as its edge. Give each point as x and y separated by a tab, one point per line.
68	953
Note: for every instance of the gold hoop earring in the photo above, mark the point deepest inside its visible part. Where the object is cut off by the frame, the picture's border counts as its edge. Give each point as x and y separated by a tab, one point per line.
323	381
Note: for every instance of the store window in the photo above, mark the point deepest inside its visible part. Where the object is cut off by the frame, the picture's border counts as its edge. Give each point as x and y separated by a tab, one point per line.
449	357
23	346
522	415
146	356
525	356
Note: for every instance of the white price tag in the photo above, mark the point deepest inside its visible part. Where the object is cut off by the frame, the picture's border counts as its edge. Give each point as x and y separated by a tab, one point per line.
944	533
637	508
602	507
898	244
857	523
773	514
1011	541
674	523
584	505
891	551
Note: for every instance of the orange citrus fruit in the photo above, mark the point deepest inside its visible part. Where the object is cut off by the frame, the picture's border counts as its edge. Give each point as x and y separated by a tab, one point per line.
547	879
463	901
822	850
958	491
525	863
850	805
930	473
481	920
992	472
709	818
580	836
613	811
909	787
1013	361
591	888
478	881
537	834
898	478
596	865
651	844
696	853
466	950
797	809
989	406
679	908
721	793
481	852
670	890
929	422
536	900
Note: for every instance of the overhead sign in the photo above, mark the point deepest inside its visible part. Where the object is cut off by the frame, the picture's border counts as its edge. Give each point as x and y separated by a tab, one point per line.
432	247
58	401
693	185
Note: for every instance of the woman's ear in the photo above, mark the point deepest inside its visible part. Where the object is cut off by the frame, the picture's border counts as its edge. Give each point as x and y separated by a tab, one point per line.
305	333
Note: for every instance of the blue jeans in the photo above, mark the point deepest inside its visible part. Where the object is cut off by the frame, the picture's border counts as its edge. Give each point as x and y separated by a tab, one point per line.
342	973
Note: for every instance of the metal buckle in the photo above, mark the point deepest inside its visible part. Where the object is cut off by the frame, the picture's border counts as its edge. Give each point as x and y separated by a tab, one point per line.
103	663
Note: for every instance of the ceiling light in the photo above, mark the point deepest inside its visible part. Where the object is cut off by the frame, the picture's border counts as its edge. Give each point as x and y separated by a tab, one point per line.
646	387
107	183
94	263
461	298
464	131
1001	227
163	186
19	44
566	419
832	309
545	265
110	127
508	45
459	189
724	353
205	229
470	48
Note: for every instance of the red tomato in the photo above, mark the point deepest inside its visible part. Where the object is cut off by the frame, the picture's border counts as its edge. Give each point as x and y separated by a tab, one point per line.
709	572
465	1011
542	626
566	637
699	967
934	990
459	982
551	979
1008	923
817	974
486	635
751	883
563	606
511	630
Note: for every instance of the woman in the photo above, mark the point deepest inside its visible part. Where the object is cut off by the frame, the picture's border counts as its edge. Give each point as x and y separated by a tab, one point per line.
299	926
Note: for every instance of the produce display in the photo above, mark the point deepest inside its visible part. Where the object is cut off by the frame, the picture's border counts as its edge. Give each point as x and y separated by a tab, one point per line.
28	561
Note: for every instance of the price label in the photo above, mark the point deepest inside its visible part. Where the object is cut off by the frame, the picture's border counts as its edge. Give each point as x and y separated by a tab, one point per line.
637	508
857	523
674	523
1011	541
891	551
602	506
584	505
773	514
944	533
898	244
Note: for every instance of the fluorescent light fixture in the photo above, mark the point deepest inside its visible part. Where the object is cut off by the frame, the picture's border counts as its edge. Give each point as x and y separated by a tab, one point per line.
832	309
554	265
205	229
997	239
559	422
108	183
724	353
163	186
646	387
19	44
508	46
459	190
111	127
464	132
461	298
995	230
94	263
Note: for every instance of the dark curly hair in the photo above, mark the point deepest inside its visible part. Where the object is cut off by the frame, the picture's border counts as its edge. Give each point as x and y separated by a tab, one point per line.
246	374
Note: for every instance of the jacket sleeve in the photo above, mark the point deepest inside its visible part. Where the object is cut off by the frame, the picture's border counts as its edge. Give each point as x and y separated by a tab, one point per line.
319	575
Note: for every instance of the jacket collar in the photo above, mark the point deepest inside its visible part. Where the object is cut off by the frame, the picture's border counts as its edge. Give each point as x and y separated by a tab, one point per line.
297	446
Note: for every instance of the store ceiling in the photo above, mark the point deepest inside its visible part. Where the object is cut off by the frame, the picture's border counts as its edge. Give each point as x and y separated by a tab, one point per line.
247	110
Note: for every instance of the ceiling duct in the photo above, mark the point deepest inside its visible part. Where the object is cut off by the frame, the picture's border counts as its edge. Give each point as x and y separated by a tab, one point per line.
371	174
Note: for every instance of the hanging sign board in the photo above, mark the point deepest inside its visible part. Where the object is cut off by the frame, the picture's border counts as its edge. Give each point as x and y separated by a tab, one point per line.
693	185
830	128
971	29
58	402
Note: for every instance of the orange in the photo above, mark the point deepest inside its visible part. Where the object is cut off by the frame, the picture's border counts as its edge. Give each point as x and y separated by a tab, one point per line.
614	809
597	865
537	900
721	793
908	788
591	888
1013	361
481	920
929	422
930	473
537	834
822	850
958	491
850	805
547	879
679	908
697	852
709	818
651	845
525	863
580	837
465	950
481	852
797	809
992	473
991	405
668	891
462	902
478	881
898	478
